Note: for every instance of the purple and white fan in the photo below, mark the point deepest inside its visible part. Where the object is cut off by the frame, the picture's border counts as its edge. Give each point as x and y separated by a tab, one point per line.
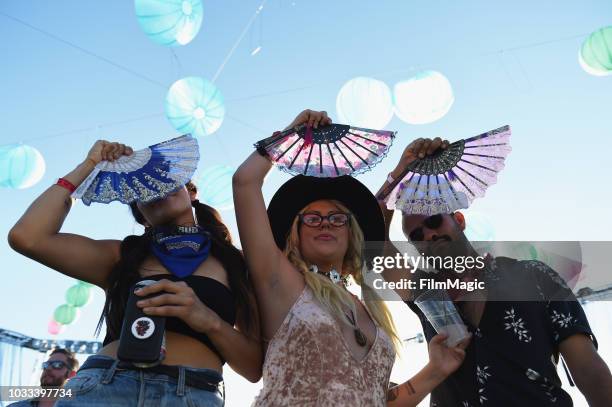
450	179
145	176
329	151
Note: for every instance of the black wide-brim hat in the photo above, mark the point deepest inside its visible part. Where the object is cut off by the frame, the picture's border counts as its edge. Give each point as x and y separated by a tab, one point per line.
301	190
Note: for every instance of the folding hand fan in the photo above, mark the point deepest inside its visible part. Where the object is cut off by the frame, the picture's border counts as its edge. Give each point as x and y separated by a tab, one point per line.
450	179
329	151
147	175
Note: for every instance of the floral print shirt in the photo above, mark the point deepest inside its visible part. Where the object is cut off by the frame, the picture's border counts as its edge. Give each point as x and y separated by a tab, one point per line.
511	359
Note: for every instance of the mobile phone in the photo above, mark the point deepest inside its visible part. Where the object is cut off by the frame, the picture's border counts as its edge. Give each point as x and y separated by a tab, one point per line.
142	336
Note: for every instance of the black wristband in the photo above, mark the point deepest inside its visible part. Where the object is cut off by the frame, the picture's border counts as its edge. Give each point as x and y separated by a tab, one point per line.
261	150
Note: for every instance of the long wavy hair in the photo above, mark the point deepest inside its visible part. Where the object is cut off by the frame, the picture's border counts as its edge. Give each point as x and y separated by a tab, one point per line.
334	297
135	249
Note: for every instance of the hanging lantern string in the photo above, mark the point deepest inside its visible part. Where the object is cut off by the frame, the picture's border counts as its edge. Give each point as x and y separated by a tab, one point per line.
535	44
177	61
248	125
522	71
238	41
118	123
86	129
244	98
255	48
324	82
84	50
123	67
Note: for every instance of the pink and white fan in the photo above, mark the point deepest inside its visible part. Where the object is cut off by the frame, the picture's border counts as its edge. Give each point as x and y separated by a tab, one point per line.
450	179
329	151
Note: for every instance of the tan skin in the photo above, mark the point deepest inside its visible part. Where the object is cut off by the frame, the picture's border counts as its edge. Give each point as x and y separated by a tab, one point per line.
51	377
452	226
588	369
37	235
55	377
325	246
278	283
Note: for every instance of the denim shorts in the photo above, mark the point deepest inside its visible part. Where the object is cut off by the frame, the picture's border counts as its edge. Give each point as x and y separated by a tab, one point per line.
117	387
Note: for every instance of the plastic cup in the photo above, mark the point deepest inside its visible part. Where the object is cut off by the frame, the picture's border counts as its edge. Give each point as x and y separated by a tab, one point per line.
442	314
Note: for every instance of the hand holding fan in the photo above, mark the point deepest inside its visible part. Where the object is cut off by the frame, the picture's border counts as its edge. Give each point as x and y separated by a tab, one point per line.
147	175
450	179
328	151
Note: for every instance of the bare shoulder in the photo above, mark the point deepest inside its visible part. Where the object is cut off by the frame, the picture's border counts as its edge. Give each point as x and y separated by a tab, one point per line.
213	268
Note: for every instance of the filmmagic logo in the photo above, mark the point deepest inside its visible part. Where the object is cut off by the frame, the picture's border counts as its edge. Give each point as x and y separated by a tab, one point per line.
429	284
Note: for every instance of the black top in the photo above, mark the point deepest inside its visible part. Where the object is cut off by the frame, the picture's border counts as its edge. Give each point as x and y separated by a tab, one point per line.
511	358
212	293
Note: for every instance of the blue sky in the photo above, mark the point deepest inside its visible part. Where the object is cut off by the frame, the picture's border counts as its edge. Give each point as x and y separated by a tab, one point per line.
508	63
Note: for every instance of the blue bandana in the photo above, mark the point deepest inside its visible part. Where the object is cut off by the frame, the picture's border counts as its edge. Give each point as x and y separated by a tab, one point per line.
181	250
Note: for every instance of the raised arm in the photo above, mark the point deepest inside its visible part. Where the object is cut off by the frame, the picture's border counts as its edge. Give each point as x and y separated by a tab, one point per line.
260	250
419	148
277	283
37	234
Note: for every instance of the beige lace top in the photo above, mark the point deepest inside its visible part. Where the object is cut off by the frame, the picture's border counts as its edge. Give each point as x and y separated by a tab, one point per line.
308	363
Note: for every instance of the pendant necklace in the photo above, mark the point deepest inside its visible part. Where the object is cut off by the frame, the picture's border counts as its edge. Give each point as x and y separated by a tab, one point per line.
359	335
337	278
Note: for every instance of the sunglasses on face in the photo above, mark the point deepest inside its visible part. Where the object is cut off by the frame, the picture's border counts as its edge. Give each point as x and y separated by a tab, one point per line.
55	364
432	222
314	220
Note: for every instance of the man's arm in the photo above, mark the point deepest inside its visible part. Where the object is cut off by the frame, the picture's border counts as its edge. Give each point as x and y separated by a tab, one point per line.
573	336
588	369
417	149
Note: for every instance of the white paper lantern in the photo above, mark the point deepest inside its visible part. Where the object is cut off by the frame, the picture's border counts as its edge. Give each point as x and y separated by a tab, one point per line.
424	98
364	102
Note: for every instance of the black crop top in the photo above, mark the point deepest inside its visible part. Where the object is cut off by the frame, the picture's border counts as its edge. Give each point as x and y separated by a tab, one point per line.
212	293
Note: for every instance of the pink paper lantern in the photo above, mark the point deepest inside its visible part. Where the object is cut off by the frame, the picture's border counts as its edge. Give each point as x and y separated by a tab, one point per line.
55	327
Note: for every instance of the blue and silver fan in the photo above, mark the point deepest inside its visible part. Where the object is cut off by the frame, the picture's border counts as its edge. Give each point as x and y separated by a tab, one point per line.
145	176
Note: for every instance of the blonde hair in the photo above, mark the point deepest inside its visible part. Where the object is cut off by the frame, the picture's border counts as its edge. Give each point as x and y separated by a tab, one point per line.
333	296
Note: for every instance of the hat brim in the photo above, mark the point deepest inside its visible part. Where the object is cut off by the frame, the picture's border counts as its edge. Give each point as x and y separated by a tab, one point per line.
302	190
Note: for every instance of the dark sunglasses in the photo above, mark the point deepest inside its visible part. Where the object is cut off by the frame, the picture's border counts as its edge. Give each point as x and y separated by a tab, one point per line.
433	222
55	364
314	220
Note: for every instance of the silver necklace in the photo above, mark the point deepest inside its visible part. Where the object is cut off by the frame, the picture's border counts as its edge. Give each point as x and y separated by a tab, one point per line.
338	278
332	274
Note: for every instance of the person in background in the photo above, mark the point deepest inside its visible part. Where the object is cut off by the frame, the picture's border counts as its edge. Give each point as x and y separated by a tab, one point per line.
61	366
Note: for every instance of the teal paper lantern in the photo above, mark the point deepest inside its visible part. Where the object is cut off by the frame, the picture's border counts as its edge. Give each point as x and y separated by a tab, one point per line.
595	55
423	99
194	105
365	102
21	166
65	314
170	22
78	295
85	284
215	186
